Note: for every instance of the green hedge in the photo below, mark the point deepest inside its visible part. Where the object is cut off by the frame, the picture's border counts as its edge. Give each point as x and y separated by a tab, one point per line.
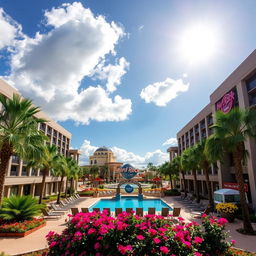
172	192
86	193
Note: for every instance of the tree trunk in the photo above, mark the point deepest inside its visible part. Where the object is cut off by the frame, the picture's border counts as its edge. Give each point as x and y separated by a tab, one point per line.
45	172
71	186
206	167
237	154
60	189
66	190
171	181
5	154
184	183
196	190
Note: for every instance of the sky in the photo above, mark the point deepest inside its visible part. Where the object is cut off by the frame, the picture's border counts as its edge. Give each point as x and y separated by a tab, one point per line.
123	74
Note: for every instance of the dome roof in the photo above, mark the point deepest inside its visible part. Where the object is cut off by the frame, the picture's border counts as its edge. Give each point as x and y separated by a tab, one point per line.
103	149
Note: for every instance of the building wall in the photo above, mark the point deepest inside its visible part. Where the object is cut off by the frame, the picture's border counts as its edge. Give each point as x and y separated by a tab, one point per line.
243	83
22	180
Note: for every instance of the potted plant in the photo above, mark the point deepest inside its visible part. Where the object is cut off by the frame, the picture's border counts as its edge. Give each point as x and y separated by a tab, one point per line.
227	210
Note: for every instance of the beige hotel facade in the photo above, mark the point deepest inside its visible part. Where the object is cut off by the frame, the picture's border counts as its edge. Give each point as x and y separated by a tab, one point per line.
239	89
21	180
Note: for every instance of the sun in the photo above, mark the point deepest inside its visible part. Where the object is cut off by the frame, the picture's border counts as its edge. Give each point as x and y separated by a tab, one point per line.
198	43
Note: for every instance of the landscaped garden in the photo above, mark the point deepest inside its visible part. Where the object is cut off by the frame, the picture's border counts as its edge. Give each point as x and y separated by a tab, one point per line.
100	234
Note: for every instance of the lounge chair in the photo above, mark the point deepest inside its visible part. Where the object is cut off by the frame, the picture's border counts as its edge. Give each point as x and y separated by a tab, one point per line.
58	208
152	211
108	210
74	211
129	210
176	212
165	212
85	210
139	212
199	214
96	209
118	211
50	214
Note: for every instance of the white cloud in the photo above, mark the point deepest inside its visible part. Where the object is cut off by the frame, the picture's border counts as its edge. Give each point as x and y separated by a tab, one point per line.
50	67
9	30
140	27
171	142
156	157
160	93
112	73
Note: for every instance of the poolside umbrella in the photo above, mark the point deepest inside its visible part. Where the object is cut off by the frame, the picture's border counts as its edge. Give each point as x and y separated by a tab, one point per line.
157	180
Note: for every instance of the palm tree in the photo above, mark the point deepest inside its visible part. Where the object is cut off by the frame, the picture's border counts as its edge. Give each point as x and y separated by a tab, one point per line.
190	162
230	132
177	164
205	164
18	132
73	173
45	161
60	169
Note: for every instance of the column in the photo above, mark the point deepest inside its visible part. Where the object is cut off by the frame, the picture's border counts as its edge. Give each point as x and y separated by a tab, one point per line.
9	167
32	189
20	192
20	167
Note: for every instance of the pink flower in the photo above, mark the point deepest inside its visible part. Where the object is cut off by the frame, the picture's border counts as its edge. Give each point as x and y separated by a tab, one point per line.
164	249
91	231
97	246
152	231
52	244
188	244
123	249
140	237
233	241
198	254
198	240
156	240
222	221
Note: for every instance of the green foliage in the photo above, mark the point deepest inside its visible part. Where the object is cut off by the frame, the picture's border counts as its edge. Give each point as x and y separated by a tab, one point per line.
86	193
101	186
172	192
19	208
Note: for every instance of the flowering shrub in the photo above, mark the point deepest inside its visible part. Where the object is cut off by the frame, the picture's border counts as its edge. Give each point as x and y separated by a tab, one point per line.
99	234
226	208
20	227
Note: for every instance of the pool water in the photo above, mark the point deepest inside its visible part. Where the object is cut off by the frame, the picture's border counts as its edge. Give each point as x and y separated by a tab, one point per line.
130	202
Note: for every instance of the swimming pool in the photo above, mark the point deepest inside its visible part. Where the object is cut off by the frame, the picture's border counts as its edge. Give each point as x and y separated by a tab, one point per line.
130	202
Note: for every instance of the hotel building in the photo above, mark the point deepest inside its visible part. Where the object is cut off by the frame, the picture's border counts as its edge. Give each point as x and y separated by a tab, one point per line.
239	89
104	156
21	180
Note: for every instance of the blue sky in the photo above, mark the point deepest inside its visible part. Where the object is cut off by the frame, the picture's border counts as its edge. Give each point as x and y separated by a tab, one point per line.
114	73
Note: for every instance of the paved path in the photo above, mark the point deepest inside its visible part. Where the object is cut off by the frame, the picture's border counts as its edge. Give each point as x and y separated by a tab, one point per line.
36	240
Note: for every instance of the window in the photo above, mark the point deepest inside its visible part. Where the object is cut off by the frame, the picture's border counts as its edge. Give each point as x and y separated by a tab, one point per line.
14	190
15	159
251	83
26	190
252	99
24	171
232	198
218	197
91	162
33	172
14	170
95	161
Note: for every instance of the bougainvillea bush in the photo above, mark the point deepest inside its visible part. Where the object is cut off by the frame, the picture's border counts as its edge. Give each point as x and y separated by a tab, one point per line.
99	234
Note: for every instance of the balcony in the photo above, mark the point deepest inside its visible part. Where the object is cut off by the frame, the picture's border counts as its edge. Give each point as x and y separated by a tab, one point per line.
14	170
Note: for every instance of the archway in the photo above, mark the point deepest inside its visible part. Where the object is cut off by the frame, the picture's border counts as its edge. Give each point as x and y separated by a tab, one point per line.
118	189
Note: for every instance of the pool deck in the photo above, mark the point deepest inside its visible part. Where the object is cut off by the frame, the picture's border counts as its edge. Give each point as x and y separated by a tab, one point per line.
36	240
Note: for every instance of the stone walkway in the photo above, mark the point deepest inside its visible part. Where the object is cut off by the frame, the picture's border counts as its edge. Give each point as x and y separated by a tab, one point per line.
36	240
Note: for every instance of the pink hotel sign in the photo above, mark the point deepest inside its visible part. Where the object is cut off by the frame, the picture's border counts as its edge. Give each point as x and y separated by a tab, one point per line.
226	103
